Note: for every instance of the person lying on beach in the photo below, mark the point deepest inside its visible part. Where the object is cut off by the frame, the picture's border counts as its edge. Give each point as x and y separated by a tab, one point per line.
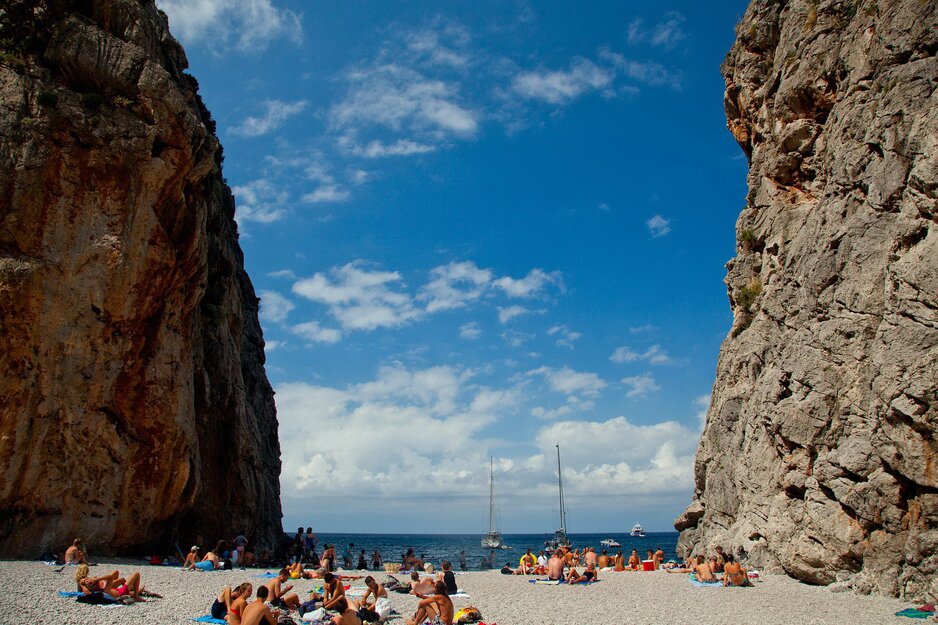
239	603
439	607
420	585
75	554
111	584
280	596
635	563
556	565
224	602
704	572
257	611
589	575
734	574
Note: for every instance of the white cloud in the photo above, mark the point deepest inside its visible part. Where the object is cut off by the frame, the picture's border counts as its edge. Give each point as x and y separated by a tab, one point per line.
275	307
259	201
428	46
561	86
454	286
658	226
282	273
270	346
276	112
565	336
470	331
360	299
507	313
315	333
531	285
402	99
666	33
640	385
328	193
566	380
401	147
573	405
703	406
616	455
249	25
654	355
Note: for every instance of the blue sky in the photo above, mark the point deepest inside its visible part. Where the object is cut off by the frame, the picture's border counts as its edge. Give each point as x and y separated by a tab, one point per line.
479	229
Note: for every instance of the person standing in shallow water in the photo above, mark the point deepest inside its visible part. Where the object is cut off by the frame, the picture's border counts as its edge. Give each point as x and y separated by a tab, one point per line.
463	565
376	560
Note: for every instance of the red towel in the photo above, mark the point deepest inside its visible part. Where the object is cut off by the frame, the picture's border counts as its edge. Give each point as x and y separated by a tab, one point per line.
928	607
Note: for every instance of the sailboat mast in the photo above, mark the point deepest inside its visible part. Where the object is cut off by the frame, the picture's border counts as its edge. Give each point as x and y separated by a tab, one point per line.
563	510
491	495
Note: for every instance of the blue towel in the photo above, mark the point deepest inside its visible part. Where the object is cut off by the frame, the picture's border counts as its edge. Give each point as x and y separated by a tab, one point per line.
208	618
696	582
913	613
69	593
267	575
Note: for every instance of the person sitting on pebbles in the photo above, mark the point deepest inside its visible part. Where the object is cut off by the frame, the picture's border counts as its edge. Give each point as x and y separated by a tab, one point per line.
227	601
703	570
257	611
588	576
439	607
76	553
280	596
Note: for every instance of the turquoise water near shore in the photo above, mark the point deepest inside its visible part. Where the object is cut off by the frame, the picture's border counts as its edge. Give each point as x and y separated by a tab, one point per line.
437	547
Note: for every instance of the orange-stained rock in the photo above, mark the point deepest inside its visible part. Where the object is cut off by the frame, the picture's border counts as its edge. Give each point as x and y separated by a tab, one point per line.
134	407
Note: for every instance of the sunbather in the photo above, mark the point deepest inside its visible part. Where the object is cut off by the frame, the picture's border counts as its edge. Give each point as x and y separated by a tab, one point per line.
556	565
448	577
635	563
618	562
420	585
733	573
257	611
332	590
704	573
76	553
111	584
589	575
224	602
239	603
192	558
438	606
374	592
604	560
346	615
590	557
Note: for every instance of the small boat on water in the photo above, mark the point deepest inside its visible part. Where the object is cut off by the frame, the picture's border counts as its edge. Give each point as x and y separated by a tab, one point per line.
610	542
493	538
637	530
560	536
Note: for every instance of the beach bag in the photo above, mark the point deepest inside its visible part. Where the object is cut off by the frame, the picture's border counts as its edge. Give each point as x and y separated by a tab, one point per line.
391	583
469	614
315	615
427	568
383	608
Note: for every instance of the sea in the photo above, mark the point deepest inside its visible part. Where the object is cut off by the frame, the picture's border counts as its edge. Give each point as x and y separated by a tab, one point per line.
437	547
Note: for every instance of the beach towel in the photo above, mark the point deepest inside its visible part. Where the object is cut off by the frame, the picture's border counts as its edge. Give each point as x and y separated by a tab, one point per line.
913	613
696	582
545	582
208	618
70	593
267	575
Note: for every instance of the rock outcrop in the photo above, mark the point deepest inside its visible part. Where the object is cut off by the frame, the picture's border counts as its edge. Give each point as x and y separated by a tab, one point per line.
134	407
819	456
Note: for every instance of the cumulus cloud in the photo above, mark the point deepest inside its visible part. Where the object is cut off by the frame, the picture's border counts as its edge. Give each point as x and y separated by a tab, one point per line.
360	299
566	380
561	86
248	25
454	285
640	385
658	226
702	402
507	313
259	201
654	355
565	336
275	307
470	331
315	333
328	193
275	113
531	285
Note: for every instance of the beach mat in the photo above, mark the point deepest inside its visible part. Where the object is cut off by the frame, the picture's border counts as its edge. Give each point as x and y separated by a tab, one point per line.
913	613
545	582
70	593
267	575
696	582
208	618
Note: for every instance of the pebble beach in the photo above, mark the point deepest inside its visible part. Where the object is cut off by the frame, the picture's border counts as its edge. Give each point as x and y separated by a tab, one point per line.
619	598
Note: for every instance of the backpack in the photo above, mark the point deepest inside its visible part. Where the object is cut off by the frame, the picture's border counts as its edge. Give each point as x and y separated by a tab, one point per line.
469	614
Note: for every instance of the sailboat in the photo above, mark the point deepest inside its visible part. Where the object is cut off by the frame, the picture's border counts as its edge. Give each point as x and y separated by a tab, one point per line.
493	538
560	536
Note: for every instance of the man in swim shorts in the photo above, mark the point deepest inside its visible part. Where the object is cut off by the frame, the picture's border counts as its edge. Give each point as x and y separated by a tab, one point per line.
280	596
556	565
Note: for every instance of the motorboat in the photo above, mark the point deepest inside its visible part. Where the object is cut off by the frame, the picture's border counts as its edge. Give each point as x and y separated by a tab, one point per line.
612	543
637	530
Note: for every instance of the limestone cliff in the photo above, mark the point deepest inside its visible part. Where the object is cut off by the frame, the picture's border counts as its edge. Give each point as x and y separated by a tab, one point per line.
819	453
134	407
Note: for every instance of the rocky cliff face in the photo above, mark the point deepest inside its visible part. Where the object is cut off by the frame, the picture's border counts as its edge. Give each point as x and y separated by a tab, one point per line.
134	407
820	454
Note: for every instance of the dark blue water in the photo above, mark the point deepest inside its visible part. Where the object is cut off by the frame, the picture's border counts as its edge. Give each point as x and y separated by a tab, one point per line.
437	547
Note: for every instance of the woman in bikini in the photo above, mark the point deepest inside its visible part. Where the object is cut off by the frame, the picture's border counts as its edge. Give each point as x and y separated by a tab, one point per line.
111	584
226	600
733	573
704	572
239	603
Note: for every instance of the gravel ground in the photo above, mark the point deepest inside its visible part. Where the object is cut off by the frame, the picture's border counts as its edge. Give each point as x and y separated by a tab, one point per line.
30	597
